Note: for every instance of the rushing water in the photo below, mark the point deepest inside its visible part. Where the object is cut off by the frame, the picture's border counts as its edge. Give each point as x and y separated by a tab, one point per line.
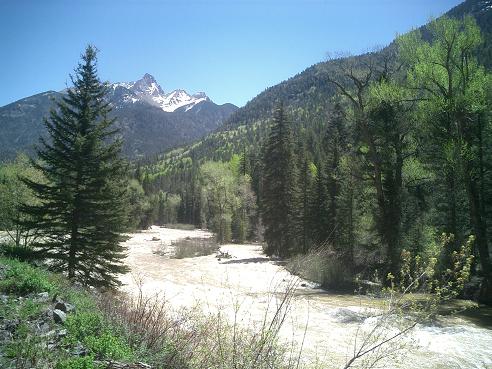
247	286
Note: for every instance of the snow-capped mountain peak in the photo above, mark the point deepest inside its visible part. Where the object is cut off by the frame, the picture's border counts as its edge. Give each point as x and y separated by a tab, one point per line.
148	90
147	86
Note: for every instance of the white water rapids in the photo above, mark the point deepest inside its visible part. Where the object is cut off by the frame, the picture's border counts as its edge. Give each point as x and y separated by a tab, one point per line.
326	323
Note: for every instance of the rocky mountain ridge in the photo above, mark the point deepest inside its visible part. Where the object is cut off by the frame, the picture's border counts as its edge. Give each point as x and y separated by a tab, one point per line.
150	120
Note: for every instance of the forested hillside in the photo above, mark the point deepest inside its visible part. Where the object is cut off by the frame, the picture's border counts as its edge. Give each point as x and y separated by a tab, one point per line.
380	154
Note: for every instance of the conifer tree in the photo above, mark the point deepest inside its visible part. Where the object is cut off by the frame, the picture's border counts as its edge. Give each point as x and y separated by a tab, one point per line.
81	211
320	220
279	188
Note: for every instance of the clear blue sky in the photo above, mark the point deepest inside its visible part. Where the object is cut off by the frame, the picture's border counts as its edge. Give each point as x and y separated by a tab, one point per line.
231	49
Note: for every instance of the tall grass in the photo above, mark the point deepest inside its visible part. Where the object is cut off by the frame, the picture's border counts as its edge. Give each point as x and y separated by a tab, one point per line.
323	266
191	338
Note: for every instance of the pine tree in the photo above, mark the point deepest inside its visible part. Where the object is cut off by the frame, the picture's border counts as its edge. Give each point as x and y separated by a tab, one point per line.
279	188
335	142
320	224
81	215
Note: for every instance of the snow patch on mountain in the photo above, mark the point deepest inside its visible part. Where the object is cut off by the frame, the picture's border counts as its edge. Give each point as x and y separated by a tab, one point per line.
148	90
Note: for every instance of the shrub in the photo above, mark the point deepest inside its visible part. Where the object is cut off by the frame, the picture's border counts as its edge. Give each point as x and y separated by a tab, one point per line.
18	252
84	324
322	266
108	346
97	335
22	279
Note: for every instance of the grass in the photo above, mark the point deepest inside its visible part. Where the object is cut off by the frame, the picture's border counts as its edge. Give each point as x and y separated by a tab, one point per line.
87	325
192	339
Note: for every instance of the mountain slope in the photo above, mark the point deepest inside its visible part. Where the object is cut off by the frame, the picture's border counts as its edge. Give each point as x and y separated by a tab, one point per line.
149	119
308	95
312	86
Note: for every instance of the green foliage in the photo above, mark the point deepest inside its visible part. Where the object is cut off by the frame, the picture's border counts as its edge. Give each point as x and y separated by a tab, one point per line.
138	203
80	212
88	325
84	324
18	252
421	275
279	197
381	153
13	194
92	329
109	346
454	87
86	362
22	279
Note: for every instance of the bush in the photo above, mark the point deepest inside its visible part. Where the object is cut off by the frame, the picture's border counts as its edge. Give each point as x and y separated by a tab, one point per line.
83	324
18	252
22	279
92	330
324	267
108	346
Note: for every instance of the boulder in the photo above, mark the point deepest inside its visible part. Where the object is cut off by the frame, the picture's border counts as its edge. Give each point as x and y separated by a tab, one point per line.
42	327
59	316
345	315
64	306
42	297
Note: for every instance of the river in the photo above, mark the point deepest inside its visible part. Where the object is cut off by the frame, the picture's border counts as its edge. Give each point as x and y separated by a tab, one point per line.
324	324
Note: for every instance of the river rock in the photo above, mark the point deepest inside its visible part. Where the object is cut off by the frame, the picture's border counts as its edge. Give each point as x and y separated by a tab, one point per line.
42	327
348	316
5	336
42	297
59	316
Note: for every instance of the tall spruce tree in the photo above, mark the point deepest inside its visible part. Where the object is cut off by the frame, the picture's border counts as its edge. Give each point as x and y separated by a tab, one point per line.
81	212
335	145
279	188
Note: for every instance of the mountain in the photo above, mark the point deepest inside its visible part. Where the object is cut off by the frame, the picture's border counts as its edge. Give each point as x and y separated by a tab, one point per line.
150	120
307	95
147	90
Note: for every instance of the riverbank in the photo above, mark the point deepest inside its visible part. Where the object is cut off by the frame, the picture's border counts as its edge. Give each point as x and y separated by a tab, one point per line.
47	323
